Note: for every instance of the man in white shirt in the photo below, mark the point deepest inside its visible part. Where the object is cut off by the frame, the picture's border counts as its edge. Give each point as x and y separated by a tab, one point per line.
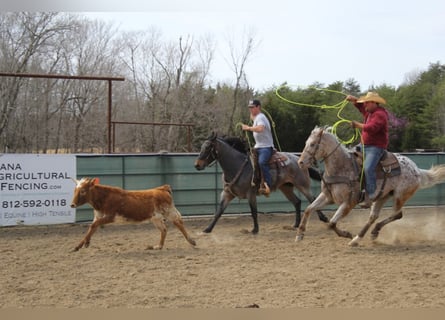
262	133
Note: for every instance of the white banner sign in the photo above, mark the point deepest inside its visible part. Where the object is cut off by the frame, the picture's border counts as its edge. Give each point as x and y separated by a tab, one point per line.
36	189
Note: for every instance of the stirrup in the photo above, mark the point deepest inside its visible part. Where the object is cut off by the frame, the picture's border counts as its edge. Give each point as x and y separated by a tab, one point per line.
365	201
264	190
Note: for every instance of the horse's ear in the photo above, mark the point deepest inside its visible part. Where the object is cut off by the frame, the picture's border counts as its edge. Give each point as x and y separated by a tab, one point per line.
212	136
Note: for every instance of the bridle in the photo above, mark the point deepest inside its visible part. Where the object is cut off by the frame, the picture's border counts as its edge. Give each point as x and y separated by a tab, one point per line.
212	155
211	159
317	146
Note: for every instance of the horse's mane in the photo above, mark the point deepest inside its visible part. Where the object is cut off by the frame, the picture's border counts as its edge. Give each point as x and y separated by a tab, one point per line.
328	131
325	129
236	143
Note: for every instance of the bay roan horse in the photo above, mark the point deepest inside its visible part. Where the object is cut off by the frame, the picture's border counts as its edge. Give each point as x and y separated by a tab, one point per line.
237	168
341	184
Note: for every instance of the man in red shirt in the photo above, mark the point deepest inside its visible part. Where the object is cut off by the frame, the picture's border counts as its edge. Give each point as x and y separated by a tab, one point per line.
375	137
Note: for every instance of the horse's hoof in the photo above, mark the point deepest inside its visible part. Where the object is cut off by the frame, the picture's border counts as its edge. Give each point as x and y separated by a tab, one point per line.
374	236
299	237
354	242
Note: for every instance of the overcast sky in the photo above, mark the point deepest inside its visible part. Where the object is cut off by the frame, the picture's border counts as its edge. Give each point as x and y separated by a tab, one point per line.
300	42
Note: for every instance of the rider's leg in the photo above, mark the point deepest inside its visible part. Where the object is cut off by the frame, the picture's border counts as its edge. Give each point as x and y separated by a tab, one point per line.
372	157
264	155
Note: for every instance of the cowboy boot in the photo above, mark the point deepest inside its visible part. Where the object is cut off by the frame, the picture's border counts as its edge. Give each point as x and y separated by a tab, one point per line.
367	201
264	190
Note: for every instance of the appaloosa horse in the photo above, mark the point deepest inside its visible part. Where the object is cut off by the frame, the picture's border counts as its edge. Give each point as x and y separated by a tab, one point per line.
341	183
232	155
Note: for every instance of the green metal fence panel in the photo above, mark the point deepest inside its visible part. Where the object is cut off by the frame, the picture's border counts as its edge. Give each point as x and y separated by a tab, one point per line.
198	192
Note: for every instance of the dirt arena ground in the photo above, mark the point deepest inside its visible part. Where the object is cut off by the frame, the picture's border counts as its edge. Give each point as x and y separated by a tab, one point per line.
228	268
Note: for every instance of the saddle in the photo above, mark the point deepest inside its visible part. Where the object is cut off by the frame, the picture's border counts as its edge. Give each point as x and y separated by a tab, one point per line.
277	160
388	165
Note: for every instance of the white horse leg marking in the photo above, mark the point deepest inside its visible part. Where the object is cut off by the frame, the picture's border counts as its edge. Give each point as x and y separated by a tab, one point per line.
373	216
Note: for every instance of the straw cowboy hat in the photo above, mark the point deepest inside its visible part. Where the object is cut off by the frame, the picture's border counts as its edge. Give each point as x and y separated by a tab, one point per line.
371	96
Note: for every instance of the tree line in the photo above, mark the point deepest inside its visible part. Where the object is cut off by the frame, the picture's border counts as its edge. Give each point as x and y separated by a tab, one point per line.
170	82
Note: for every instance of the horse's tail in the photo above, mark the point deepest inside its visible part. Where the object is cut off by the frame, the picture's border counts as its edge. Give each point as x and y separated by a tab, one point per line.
433	176
314	174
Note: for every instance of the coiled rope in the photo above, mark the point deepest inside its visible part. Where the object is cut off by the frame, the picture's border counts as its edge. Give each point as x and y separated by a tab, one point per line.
339	106
273	128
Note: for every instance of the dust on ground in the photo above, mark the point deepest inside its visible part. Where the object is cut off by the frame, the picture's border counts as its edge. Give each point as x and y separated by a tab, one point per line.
228	268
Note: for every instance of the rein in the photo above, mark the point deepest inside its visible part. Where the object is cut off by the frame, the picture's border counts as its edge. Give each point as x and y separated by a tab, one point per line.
318	146
330	180
330	153
227	184
214	155
238	174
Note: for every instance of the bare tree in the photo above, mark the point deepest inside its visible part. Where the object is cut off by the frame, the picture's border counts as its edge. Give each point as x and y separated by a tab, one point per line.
239	57
168	80
24	38
91	53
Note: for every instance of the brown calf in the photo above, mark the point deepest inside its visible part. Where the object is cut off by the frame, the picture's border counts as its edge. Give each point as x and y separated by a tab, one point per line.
136	205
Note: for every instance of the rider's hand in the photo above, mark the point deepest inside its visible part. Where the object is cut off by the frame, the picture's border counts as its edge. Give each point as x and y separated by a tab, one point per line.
356	124
351	98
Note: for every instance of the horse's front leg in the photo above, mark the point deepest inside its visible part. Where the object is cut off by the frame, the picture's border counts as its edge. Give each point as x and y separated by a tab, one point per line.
254	212
321	201
225	199
311	198
341	212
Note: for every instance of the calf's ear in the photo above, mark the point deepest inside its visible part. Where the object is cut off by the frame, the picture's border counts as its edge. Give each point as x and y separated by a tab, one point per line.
95	181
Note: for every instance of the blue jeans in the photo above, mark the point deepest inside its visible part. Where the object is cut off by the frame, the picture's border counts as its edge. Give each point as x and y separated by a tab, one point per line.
264	155
372	157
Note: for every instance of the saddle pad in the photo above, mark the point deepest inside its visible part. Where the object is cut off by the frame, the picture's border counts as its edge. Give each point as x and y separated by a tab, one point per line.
279	159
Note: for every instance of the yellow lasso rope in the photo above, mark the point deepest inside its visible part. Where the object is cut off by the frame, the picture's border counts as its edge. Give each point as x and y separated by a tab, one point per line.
272	124
239	124
340	106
